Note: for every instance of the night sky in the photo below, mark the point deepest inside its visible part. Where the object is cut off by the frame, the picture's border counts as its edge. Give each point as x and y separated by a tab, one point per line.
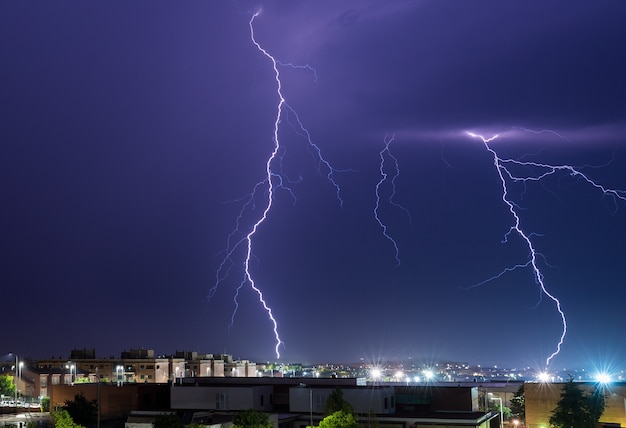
134	132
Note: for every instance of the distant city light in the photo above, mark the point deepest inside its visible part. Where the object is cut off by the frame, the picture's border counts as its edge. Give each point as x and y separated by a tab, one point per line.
428	374
375	373
543	377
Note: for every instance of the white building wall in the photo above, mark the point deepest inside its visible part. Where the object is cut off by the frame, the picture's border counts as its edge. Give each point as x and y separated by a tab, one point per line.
363	400
220	397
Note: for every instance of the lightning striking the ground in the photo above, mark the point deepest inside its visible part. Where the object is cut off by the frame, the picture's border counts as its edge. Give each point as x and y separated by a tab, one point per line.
385	157
240	240
542	170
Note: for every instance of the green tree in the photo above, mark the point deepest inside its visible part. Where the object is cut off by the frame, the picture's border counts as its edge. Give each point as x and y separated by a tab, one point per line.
495	407
7	386
167	421
252	419
62	419
336	403
45	404
82	411
339	419
576	408
518	404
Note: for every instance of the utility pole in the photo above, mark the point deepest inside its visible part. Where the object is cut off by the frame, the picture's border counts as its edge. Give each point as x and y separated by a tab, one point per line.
98	379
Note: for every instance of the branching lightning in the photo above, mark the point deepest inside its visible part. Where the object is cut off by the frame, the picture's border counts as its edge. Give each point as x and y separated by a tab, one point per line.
240	240
543	170
385	155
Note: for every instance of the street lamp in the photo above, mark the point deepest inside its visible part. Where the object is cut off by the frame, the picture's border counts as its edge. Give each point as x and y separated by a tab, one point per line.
119	372
19	376
98	379
493	397
304	385
71	367
20	366
16	369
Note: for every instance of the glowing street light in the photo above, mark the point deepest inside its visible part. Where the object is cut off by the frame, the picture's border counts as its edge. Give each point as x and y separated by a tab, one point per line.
428	374
119	372
71	367
19	375
375	373
543	377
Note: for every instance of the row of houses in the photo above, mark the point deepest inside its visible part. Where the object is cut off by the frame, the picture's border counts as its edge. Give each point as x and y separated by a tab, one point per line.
34	378
211	388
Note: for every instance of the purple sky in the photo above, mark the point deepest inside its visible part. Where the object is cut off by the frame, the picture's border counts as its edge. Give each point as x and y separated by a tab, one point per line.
131	131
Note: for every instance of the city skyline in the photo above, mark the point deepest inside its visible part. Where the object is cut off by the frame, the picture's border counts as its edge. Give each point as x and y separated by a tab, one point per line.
137	133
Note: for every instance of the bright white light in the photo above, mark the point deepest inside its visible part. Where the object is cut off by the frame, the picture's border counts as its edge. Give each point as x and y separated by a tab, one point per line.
399	374
603	377
543	377
375	373
428	374
416	379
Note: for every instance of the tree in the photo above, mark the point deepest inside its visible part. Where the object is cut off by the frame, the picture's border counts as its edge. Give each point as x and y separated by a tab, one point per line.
62	419
495	407
518	404
82	411
7	386
336	403
252	419
339	419
576	408
45	404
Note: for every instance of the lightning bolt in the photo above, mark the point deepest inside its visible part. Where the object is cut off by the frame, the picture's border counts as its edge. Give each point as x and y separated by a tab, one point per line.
542	170
240	240
502	171
385	155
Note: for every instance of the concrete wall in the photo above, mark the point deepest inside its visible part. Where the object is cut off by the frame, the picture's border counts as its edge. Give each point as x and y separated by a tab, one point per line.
222	398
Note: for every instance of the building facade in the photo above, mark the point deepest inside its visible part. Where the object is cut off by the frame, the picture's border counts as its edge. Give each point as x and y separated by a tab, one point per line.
541	399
